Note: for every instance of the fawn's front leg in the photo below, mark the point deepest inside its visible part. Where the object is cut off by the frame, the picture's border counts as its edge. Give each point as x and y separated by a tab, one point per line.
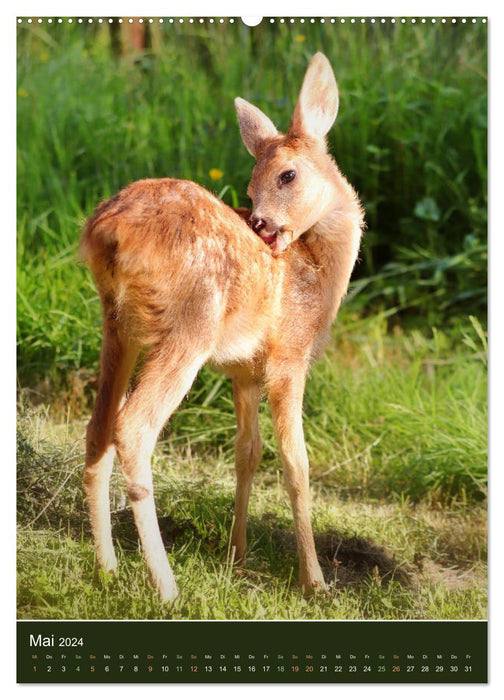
248	455
286	400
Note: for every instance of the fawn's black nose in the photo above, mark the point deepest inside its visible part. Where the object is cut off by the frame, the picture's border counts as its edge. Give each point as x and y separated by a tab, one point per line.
257	224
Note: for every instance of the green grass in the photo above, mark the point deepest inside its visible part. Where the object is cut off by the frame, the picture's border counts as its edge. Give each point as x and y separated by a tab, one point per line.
396	428
411	136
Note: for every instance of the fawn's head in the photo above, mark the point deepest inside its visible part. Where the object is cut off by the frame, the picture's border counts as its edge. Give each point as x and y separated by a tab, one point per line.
294	181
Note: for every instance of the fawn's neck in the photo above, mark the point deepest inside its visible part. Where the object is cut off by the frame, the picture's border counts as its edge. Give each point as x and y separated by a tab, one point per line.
333	243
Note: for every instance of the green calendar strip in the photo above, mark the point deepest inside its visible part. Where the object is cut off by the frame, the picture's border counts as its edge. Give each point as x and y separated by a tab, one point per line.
249	652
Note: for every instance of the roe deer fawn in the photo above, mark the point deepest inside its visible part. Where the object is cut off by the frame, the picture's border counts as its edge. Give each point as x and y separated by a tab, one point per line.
182	277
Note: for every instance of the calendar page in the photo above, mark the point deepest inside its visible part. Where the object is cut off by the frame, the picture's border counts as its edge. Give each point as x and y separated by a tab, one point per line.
252	349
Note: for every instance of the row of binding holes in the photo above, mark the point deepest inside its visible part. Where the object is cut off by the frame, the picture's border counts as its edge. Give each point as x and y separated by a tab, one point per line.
373	20
292	20
120	20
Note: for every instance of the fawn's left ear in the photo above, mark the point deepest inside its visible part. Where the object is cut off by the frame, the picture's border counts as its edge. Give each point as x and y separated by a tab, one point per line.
318	100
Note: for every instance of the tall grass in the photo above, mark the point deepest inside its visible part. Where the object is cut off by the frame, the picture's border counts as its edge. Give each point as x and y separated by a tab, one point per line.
411	136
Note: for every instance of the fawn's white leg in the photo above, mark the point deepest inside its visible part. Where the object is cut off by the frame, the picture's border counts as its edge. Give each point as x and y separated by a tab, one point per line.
165	379
248	456
286	399
117	361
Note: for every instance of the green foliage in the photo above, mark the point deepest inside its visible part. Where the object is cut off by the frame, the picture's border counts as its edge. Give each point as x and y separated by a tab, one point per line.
411	136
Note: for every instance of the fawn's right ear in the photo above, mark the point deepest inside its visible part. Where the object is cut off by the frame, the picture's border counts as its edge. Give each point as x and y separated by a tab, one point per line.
255	126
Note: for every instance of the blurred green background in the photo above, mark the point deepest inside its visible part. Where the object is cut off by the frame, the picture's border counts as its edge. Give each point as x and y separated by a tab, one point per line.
95	114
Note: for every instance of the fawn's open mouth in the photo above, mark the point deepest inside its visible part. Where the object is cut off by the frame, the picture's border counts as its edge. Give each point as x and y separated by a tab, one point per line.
278	240
268	238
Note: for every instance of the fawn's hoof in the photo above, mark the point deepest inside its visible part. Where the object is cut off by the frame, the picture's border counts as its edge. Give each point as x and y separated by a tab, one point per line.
167	588
313	585
168	594
239	558
107	563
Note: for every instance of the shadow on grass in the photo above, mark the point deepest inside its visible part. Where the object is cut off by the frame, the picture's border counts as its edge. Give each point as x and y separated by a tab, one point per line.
346	561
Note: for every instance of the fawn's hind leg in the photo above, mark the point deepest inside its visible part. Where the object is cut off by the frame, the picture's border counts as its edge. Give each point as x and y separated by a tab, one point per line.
248	455
166	377
118	358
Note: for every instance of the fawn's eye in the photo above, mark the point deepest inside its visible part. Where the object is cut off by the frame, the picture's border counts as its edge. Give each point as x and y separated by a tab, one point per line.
287	176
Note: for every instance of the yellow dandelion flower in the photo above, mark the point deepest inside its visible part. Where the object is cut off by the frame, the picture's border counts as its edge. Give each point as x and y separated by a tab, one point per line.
300	38
215	173
43	57
22	92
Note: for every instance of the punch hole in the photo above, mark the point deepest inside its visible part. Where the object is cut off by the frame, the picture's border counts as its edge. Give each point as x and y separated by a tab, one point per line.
251	21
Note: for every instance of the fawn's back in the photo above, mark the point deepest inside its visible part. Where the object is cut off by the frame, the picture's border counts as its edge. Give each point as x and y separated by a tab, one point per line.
176	265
